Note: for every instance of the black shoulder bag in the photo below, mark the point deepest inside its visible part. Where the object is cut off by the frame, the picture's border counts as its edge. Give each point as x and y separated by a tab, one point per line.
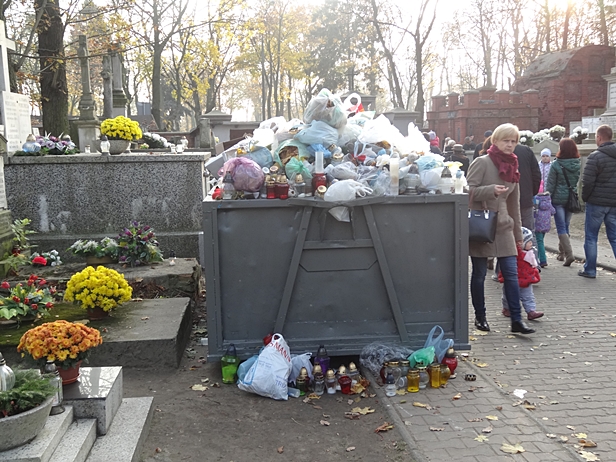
481	224
573	202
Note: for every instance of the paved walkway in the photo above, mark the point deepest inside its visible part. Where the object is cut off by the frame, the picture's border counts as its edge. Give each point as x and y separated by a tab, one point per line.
567	368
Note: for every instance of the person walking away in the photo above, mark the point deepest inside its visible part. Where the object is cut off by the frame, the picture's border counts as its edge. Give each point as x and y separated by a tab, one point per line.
599	194
530	180
493	183
458	155
480	146
543	223
528	274
567	163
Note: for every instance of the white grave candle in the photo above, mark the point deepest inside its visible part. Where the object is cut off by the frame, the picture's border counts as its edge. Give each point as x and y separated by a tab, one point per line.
394	175
318	162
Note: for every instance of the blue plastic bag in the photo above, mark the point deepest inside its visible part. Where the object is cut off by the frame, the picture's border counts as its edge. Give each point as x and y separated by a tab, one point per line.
440	344
245	367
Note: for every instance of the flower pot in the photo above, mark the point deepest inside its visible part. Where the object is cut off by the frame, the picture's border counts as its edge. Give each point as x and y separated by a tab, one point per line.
91	260
115	146
22	428
96	313
69	375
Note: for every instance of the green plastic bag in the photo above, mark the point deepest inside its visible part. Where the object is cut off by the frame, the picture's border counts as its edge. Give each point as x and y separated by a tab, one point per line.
423	357
295	166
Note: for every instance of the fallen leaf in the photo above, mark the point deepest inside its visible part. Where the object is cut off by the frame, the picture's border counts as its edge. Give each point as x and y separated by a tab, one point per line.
362	411
471	338
314	406
351	415
476	419
205	380
491	417
511	336
456	397
324	422
402	392
481	364
550	435
383	428
436	429
612	334
418	404
350	402
563	439
589	456
571	427
530	407
512	449
216	385
482	438
402	401
581	435
587	443
313	396
326	416
158	450
280	449
487	430
554	402
198	387
145	318
350	448
357	389
499	408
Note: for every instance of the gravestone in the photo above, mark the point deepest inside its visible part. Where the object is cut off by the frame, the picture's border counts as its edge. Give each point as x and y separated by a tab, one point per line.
88	126
14	108
117	78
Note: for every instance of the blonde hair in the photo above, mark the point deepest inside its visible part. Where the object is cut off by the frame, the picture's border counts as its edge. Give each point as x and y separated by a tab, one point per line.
505	131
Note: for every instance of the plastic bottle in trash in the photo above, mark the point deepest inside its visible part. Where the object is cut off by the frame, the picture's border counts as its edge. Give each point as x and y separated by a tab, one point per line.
390	385
458	183
321	358
319	380
229	362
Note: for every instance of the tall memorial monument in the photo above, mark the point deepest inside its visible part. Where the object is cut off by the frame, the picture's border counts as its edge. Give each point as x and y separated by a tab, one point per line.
88	125
14	107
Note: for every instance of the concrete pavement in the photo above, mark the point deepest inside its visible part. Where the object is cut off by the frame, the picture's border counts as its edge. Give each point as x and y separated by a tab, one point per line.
567	368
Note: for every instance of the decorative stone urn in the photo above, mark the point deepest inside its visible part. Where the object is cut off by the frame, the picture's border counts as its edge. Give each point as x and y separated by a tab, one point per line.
115	146
22	428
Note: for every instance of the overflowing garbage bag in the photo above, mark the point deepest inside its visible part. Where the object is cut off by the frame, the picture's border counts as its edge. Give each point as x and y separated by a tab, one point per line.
336	141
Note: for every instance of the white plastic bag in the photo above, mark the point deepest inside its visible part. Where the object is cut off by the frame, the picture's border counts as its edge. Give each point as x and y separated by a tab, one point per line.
299	361
318	132
345	190
269	374
326	107
343	171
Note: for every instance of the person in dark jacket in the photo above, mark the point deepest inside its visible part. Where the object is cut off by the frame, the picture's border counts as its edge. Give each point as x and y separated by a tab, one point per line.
458	155
479	147
530	180
599	194
567	163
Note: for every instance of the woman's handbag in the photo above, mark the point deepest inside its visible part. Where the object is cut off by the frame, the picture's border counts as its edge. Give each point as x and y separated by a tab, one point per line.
573	201
481	224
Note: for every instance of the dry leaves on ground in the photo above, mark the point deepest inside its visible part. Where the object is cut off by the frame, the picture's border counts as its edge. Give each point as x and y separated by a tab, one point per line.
437	429
325	423
512	449
199	387
350	448
280	449
383	428
589	456
457	396
585	443
362	411
491	417
482	438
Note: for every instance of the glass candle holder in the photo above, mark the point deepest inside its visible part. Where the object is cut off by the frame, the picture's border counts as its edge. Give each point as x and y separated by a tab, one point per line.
435	375
412	381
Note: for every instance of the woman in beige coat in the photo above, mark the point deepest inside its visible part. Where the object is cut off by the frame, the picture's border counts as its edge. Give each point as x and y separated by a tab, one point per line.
493	181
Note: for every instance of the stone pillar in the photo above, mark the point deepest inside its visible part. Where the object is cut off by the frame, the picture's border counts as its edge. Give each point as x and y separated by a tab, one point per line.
107	74
205	139
6	233
531	97
501	97
217	124
471	98
119	97
452	100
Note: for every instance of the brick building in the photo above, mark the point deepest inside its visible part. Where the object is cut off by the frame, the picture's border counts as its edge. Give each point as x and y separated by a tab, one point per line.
480	110
569	83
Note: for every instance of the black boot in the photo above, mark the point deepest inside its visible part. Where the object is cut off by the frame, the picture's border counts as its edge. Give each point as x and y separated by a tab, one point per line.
482	324
521	328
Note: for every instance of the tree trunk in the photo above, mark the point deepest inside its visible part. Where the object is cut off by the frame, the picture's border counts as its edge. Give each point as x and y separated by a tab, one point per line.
566	26
54	89
605	40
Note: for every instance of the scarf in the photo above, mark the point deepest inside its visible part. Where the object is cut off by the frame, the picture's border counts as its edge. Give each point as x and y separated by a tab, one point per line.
507	164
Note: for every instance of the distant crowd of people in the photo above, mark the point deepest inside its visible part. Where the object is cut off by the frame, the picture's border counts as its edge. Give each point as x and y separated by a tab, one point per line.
505	176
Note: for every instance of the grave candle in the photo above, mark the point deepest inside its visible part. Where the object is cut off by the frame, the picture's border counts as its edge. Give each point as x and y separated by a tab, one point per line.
394	175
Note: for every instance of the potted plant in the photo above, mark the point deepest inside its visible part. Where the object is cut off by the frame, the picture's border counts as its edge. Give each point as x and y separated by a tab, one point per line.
48	145
24	408
26	303
137	245
579	134
120	131
526	138
51	258
98	290
66	343
20	253
96	253
557	132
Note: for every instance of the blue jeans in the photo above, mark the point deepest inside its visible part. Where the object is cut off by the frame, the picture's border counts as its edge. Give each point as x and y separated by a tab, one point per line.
509	268
595	216
562	218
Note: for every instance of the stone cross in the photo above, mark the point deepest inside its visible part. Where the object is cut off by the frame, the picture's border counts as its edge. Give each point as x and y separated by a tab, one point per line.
87	106
5	44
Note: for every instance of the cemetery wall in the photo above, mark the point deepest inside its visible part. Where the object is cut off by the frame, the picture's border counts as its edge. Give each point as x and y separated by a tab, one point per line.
477	111
93	196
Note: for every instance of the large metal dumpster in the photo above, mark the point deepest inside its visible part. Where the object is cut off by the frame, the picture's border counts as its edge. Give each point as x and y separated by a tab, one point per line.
397	269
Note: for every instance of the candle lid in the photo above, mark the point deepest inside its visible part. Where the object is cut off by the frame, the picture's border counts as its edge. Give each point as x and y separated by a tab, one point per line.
405	362
330	374
303	372
317	369
352	366
342	370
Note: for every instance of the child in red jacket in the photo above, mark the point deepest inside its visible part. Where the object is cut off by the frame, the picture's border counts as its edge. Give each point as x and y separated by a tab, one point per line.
528	274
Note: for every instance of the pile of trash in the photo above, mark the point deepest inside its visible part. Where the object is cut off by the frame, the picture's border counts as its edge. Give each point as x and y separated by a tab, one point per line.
337	153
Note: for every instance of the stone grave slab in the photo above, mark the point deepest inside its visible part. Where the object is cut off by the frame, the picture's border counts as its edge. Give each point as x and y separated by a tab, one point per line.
15	110
97	394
